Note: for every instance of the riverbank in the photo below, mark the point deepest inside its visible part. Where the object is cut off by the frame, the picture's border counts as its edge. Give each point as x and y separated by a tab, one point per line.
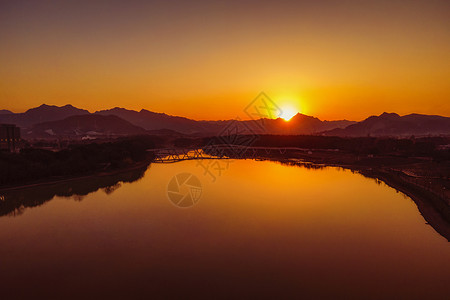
424	178
15	201
35	165
430	193
70	178
433	208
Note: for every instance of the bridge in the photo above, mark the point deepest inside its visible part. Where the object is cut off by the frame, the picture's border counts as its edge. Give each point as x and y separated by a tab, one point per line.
171	155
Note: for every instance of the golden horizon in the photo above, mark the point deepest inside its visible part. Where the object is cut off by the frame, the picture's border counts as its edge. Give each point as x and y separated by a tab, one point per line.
342	61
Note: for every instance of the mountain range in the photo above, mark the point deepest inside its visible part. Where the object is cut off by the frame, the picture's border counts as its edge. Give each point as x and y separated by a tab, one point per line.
391	124
43	113
87	125
49	121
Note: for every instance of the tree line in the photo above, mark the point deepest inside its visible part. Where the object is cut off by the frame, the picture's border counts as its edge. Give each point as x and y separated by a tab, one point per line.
32	164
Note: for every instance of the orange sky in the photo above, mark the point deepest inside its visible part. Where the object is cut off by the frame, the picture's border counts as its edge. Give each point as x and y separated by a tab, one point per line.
208	60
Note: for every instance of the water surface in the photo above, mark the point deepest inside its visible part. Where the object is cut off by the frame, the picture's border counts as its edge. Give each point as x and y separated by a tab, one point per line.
261	229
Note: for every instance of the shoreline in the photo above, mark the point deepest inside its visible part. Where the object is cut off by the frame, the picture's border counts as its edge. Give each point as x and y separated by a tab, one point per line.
52	181
434	209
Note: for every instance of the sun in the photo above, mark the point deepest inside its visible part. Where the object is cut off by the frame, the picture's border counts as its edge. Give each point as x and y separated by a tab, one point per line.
288	112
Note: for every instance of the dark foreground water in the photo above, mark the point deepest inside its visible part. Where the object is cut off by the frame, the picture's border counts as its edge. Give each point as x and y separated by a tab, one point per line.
260	230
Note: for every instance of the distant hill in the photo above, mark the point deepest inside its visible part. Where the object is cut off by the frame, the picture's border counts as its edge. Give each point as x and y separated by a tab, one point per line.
156	121
387	124
84	126
391	124
299	124
41	114
5	112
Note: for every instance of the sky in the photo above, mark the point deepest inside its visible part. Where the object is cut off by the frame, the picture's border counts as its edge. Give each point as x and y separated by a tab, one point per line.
210	59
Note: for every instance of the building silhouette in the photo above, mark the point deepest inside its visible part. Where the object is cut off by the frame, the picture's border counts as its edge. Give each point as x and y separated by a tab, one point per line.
9	137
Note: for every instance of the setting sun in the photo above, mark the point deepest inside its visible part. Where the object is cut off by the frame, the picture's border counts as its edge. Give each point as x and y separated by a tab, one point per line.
288	112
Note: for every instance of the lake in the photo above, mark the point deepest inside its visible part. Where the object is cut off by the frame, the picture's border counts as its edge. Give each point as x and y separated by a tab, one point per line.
258	229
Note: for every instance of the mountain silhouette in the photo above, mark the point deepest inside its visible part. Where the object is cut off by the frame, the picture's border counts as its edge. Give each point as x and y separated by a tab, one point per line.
155	121
41	114
391	124
85	125
299	124
52	121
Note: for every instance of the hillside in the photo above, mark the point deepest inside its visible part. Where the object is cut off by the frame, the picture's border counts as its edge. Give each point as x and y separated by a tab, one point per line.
43	113
391	124
132	122
84	126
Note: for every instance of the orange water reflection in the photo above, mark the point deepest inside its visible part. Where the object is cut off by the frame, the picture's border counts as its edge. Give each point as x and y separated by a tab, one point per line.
262	229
